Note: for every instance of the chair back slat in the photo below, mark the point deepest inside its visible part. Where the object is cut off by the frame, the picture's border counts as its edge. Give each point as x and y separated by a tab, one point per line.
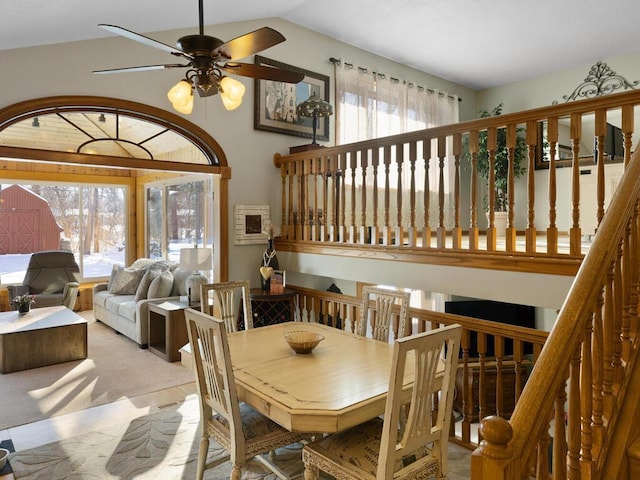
214	376
428	351
228	298
380	318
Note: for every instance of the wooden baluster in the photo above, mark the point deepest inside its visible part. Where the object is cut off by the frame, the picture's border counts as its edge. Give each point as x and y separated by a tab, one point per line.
467	395
442	153
542	456
491	188
618	299
300	200
586	403
456	233
306	174
291	233
482	376
386	234
600	132
324	174
426	229
353	165
284	228
399	230
335	196
597	365
375	228
575	234
314	166
473	214
498	342
518	359
552	230
364	163
532	142
606	305
413	153
631	263
343	197
510	237
559	456
573	438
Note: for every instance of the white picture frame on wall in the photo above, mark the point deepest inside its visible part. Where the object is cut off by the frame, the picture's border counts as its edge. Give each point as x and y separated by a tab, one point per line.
252	223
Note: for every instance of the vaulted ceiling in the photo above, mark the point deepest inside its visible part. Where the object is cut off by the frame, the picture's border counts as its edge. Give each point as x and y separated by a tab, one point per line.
478	44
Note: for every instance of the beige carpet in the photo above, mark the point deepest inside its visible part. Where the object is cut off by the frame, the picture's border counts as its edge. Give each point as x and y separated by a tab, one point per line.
163	445
115	368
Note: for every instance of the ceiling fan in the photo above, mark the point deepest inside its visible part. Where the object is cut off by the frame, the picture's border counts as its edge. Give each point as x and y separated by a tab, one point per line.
206	59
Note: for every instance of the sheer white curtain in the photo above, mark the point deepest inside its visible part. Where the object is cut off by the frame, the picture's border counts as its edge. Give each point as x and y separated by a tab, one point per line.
371	105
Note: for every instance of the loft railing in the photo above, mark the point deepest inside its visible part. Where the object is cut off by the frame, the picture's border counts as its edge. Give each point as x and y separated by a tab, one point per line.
495	358
423	190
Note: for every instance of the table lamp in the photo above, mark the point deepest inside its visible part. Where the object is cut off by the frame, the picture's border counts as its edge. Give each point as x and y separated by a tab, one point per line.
195	259
314	107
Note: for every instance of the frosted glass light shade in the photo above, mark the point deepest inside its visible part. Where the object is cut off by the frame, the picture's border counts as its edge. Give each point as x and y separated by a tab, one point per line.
231	93
181	97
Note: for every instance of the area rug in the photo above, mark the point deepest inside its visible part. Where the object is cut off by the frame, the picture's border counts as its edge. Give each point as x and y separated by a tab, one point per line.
162	445
116	368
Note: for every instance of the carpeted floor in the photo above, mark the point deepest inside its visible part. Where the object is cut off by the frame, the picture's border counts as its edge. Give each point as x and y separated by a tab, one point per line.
163	445
115	368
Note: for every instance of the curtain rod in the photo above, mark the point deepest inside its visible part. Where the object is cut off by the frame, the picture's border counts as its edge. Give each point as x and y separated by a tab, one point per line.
336	61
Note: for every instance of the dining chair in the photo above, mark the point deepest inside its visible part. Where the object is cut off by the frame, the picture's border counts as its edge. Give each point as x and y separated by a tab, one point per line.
380	317
229	298
378	449
241	430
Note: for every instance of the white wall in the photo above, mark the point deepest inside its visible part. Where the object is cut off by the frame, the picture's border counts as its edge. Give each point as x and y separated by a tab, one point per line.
65	69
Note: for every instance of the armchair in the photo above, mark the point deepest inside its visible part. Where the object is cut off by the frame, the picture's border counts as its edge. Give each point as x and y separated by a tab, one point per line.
52	276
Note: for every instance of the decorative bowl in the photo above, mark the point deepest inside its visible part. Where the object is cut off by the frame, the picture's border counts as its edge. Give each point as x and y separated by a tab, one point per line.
303	342
4	454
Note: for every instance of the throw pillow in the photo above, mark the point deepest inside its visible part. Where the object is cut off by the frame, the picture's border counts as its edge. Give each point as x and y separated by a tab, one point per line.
141	263
145	282
114	272
126	282
161	285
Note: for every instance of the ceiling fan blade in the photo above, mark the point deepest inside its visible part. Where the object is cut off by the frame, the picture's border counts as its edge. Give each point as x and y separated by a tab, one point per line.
141	68
263	72
248	44
150	42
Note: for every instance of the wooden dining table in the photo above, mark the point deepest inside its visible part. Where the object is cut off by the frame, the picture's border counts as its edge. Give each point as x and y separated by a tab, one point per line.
343	382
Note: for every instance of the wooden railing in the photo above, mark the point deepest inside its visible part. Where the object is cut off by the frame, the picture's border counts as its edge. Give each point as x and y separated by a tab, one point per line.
579	390
496	358
407	190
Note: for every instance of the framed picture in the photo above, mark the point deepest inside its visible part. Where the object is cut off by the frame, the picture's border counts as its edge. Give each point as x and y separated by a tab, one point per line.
252	224
276	102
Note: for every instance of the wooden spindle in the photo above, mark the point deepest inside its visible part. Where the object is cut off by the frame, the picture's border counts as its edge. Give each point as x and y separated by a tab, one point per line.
473	214
456	233
426	229
399	230
575	234
364	163
442	153
510	236
413	153
375	227
491	188
532	142
552	229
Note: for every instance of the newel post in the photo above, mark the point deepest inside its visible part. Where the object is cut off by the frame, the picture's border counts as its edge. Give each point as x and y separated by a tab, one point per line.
493	459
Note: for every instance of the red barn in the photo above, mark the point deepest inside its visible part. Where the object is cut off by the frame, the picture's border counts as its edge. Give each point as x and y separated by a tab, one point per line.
27	224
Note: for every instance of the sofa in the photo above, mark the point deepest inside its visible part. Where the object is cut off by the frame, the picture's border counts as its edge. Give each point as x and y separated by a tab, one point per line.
123	302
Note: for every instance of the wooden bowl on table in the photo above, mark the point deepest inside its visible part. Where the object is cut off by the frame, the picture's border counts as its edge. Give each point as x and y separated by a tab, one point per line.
303	342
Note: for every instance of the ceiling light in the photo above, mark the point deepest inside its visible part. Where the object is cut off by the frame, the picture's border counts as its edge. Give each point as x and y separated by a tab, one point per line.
207	82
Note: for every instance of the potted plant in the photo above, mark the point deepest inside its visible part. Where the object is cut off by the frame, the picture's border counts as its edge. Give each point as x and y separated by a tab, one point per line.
501	163
23	302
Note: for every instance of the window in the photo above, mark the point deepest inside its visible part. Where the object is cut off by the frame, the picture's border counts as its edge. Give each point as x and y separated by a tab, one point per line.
88	220
178	214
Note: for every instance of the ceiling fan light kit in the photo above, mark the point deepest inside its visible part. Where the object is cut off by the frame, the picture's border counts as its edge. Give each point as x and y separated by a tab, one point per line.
207	58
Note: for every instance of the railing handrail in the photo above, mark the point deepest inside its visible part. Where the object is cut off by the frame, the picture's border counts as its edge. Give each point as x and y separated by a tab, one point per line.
616	100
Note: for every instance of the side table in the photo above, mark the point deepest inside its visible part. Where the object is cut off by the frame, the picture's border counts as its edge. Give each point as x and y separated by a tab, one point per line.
271	308
167	329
